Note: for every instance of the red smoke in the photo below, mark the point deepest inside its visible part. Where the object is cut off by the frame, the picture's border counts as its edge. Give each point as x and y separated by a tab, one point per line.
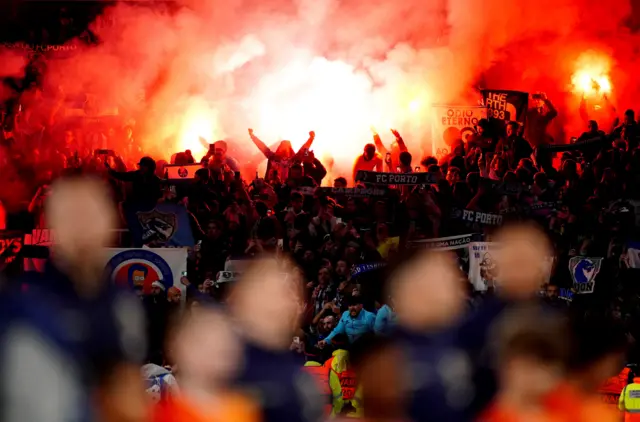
282	67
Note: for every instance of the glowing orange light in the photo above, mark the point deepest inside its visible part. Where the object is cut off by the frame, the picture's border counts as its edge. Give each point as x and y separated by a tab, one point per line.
196	123
332	98
591	77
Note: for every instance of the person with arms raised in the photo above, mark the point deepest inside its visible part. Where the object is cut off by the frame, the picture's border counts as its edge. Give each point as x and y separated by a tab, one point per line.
283	158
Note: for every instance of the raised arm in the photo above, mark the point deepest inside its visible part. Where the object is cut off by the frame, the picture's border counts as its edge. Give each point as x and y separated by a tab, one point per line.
553	113
307	145
123	176
261	145
378	142
401	145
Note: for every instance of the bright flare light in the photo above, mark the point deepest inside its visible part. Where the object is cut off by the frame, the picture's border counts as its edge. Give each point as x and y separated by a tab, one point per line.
198	121
592	75
333	99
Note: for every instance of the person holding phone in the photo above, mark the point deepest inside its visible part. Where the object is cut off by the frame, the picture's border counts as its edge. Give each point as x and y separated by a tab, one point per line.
392	155
217	157
538	119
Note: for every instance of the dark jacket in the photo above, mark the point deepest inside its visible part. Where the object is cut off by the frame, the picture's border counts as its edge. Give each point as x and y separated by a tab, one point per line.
144	188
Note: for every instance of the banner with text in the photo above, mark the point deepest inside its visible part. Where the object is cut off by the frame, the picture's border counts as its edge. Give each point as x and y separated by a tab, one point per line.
444	243
10	246
379	178
505	106
483	271
451	123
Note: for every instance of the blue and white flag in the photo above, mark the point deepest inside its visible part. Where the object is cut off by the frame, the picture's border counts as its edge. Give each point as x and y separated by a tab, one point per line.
584	271
359	269
164	225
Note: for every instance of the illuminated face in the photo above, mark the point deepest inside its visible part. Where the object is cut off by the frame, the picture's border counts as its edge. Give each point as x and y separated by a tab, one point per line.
137	278
68	137
510	131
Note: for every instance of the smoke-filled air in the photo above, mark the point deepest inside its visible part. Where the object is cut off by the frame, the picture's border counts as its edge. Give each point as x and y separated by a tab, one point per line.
213	69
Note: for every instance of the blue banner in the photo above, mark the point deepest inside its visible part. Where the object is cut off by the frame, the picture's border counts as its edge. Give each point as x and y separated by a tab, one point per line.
165	225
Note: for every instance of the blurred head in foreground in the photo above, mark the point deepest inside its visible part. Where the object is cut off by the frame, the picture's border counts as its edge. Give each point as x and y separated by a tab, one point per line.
384	389
207	354
523	247
532	353
83	217
206	351
426	291
598	352
266	304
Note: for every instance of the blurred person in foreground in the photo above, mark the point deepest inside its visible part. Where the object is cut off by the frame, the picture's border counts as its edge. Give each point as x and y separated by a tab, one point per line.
207	353
428	300
598	350
72	339
523	249
383	388
532	351
450	364
265	306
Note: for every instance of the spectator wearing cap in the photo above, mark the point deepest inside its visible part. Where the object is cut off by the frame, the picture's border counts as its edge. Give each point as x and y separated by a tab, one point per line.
354	323
217	157
145	185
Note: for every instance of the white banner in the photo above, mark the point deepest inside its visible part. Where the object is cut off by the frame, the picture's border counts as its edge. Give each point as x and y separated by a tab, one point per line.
451	123
443	243
177	172
141	267
483	271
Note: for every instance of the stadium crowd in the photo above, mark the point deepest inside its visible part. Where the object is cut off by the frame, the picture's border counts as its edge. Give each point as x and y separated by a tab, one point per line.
371	292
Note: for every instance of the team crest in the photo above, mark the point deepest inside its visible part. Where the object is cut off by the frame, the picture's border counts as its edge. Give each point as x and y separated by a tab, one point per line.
138	269
157	227
584	271
183	172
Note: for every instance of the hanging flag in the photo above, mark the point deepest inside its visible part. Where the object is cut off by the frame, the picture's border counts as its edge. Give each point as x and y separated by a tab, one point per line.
483	272
10	246
139	268
505	106
453	123
584	271
178	172
164	225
